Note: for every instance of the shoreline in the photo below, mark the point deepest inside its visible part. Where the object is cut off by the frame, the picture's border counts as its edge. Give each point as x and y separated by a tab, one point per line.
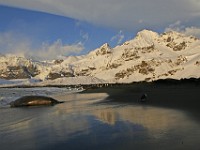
181	95
170	93
170	113
195	81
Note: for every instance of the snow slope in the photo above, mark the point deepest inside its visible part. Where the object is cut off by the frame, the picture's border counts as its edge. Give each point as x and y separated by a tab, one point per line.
149	56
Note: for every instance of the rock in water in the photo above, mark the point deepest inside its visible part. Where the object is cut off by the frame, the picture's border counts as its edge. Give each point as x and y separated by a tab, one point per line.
143	98
33	101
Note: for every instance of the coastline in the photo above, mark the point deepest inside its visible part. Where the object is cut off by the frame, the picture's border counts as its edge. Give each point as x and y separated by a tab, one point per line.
182	94
169	81
168	119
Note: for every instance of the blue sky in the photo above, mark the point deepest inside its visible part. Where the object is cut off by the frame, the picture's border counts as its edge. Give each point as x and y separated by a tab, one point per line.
42	28
48	29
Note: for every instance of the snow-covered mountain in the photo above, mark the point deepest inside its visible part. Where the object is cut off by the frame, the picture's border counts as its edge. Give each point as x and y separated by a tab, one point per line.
13	67
149	56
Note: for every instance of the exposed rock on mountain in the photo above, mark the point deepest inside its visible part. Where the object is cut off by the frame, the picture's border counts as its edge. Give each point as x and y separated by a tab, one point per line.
12	67
147	57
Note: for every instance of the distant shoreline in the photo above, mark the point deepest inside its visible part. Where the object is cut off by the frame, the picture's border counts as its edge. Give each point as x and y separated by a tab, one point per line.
195	81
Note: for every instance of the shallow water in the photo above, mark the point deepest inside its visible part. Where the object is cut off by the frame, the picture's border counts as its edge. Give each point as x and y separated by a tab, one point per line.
91	121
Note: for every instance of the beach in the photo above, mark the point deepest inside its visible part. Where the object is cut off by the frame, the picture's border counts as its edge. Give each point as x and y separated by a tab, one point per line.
104	118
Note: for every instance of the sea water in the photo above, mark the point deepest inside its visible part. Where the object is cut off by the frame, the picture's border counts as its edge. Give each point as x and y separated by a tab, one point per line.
94	121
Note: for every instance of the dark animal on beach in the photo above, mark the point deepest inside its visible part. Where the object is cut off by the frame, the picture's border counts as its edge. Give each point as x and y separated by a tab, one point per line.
34	101
143	98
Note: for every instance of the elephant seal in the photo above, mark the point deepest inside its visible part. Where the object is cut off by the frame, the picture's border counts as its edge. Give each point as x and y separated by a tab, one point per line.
34	101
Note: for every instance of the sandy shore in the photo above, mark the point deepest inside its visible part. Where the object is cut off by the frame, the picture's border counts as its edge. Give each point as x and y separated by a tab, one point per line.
106	118
183	96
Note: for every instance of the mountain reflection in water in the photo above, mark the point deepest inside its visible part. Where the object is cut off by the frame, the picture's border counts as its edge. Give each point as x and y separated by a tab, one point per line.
90	121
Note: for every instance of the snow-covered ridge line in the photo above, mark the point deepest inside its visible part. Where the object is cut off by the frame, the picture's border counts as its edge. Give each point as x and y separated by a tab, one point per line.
148	57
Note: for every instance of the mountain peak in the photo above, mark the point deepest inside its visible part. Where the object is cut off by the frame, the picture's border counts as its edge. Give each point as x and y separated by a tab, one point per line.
147	57
147	33
174	34
103	50
145	38
106	46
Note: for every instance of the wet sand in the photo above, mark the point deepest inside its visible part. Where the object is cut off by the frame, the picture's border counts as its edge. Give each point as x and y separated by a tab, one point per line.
108	118
179	96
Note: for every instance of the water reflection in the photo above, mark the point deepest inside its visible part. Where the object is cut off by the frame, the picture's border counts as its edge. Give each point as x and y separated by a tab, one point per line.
84	123
108	116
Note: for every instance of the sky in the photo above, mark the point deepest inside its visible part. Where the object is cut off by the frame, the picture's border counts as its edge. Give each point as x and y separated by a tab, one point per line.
50	29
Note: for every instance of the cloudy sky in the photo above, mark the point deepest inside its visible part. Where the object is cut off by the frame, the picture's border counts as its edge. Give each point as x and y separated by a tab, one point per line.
47	29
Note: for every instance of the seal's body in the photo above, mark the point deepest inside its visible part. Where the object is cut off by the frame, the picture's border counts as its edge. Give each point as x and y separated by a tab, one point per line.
33	101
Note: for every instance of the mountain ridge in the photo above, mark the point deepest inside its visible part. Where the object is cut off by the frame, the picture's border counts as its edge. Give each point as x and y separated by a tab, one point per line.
147	57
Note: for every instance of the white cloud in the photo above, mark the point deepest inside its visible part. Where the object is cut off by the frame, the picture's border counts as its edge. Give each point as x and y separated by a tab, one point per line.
55	50
195	31
126	14
177	26
14	43
118	37
84	36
